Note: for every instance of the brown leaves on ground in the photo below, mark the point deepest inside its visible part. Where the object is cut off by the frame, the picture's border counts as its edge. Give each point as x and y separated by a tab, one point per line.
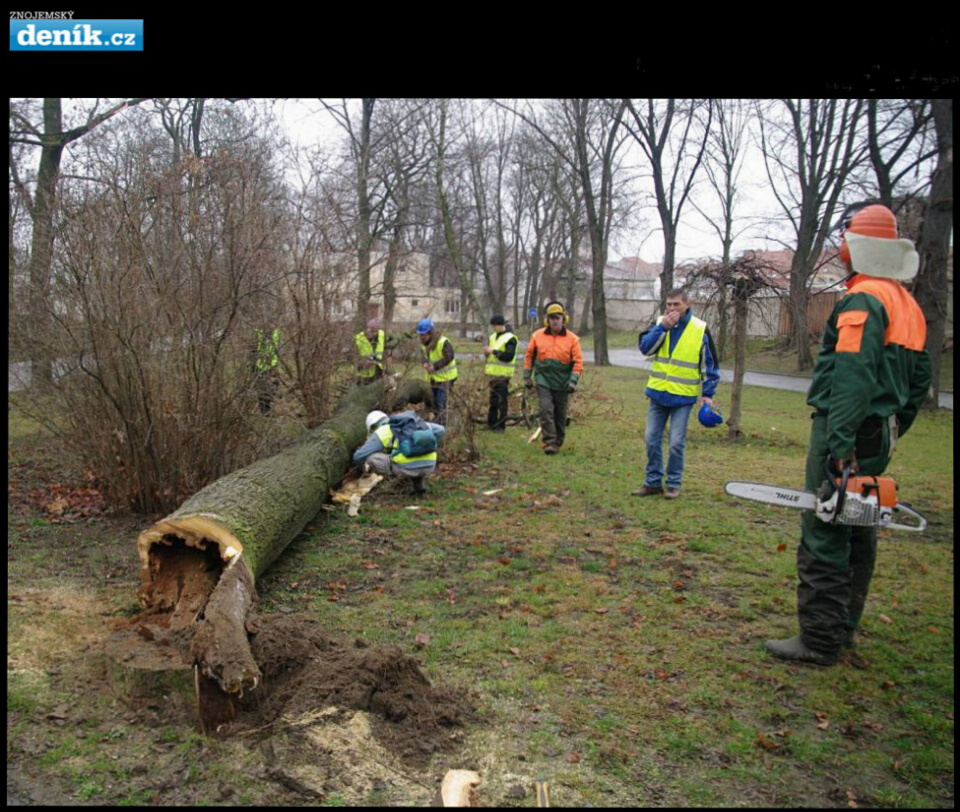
60	503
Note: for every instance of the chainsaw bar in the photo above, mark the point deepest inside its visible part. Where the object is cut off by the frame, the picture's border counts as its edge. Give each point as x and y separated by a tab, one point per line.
772	495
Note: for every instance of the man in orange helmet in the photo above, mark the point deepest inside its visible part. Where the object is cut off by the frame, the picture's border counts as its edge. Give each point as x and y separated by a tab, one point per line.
870	380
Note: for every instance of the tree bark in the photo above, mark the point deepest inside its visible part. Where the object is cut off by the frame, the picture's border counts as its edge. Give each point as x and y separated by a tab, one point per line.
198	566
930	287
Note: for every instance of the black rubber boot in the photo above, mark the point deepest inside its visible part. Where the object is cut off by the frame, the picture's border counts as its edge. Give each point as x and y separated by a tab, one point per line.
795	649
419	485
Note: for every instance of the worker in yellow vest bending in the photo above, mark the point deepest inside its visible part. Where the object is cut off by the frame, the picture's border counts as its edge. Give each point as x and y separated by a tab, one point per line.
440	364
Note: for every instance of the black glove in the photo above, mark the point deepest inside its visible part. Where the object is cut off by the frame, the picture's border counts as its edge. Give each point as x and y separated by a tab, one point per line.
572	385
528	382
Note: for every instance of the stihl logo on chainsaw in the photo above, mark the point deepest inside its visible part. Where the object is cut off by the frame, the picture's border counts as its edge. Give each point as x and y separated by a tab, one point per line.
787	497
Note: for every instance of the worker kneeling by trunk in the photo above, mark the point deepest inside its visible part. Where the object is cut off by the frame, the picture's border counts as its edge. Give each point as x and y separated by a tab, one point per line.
402	445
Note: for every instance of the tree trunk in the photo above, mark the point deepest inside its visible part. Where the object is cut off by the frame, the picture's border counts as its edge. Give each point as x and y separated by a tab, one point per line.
198	566
930	288
41	252
739	363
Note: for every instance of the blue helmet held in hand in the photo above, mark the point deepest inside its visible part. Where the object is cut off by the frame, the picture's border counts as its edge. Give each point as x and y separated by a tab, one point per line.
424	326
709	416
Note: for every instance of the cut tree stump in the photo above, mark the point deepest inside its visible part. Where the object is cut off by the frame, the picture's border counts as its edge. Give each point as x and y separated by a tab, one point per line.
199	565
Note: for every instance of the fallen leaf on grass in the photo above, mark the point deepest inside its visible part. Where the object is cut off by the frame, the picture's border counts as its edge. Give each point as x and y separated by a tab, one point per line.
491	493
573	758
57	506
886	686
884	619
421	640
781	547
602	610
765	743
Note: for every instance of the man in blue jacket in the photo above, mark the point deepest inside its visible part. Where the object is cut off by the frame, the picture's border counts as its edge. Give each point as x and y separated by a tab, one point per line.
684	370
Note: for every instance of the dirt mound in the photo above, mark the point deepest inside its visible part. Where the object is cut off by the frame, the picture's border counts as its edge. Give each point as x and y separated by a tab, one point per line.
308	671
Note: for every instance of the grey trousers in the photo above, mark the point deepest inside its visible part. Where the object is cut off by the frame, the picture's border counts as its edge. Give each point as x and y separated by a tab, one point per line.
382	464
553	414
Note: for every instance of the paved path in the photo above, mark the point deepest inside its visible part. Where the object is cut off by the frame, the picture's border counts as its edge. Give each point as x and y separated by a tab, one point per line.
19	375
795	383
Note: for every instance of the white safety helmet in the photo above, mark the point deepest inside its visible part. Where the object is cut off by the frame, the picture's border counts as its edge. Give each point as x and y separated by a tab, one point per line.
375	418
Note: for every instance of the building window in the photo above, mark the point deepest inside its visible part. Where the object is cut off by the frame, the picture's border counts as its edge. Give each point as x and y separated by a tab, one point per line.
414	302
451	306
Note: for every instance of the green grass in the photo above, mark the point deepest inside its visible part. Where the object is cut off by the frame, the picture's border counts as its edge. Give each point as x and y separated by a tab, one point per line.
614	642
639	624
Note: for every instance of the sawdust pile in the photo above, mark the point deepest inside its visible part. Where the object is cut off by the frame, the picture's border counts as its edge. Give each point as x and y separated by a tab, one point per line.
307	671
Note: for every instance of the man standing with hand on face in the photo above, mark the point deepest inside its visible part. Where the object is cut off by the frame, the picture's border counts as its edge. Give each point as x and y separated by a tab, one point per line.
684	356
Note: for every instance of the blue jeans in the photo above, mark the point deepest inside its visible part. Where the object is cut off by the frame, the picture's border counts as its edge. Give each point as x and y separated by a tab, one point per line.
653	436
440	390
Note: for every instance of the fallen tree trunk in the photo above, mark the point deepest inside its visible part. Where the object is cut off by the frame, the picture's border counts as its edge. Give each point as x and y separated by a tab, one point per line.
198	566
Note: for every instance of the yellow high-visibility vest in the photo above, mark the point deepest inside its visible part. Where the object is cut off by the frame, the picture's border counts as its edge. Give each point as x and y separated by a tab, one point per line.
449	372
369	352
494	366
385	433
268	355
677	371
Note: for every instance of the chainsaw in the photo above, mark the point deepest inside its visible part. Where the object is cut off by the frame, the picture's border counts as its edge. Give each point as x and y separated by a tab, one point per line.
859	501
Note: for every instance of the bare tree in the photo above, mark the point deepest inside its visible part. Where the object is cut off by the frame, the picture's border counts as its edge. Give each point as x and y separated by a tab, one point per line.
930	287
369	195
52	139
440	139
810	148
674	159
738	280
585	135
723	164
898	134
153	308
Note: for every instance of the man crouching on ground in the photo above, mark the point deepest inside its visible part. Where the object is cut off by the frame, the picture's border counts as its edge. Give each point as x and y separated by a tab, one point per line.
382	453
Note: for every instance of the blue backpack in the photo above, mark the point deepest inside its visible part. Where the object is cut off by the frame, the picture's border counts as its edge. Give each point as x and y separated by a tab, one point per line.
412	435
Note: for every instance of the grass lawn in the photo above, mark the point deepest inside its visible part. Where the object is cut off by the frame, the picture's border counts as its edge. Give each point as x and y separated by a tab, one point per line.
614	644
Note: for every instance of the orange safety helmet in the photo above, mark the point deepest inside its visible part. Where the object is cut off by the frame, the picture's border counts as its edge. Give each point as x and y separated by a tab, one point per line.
872	221
871	244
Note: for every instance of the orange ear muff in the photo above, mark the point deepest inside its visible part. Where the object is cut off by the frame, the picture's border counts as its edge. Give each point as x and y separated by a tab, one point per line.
845	252
566	320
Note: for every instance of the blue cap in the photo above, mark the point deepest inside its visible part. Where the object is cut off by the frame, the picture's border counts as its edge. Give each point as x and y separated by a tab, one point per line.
424	326
708	416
